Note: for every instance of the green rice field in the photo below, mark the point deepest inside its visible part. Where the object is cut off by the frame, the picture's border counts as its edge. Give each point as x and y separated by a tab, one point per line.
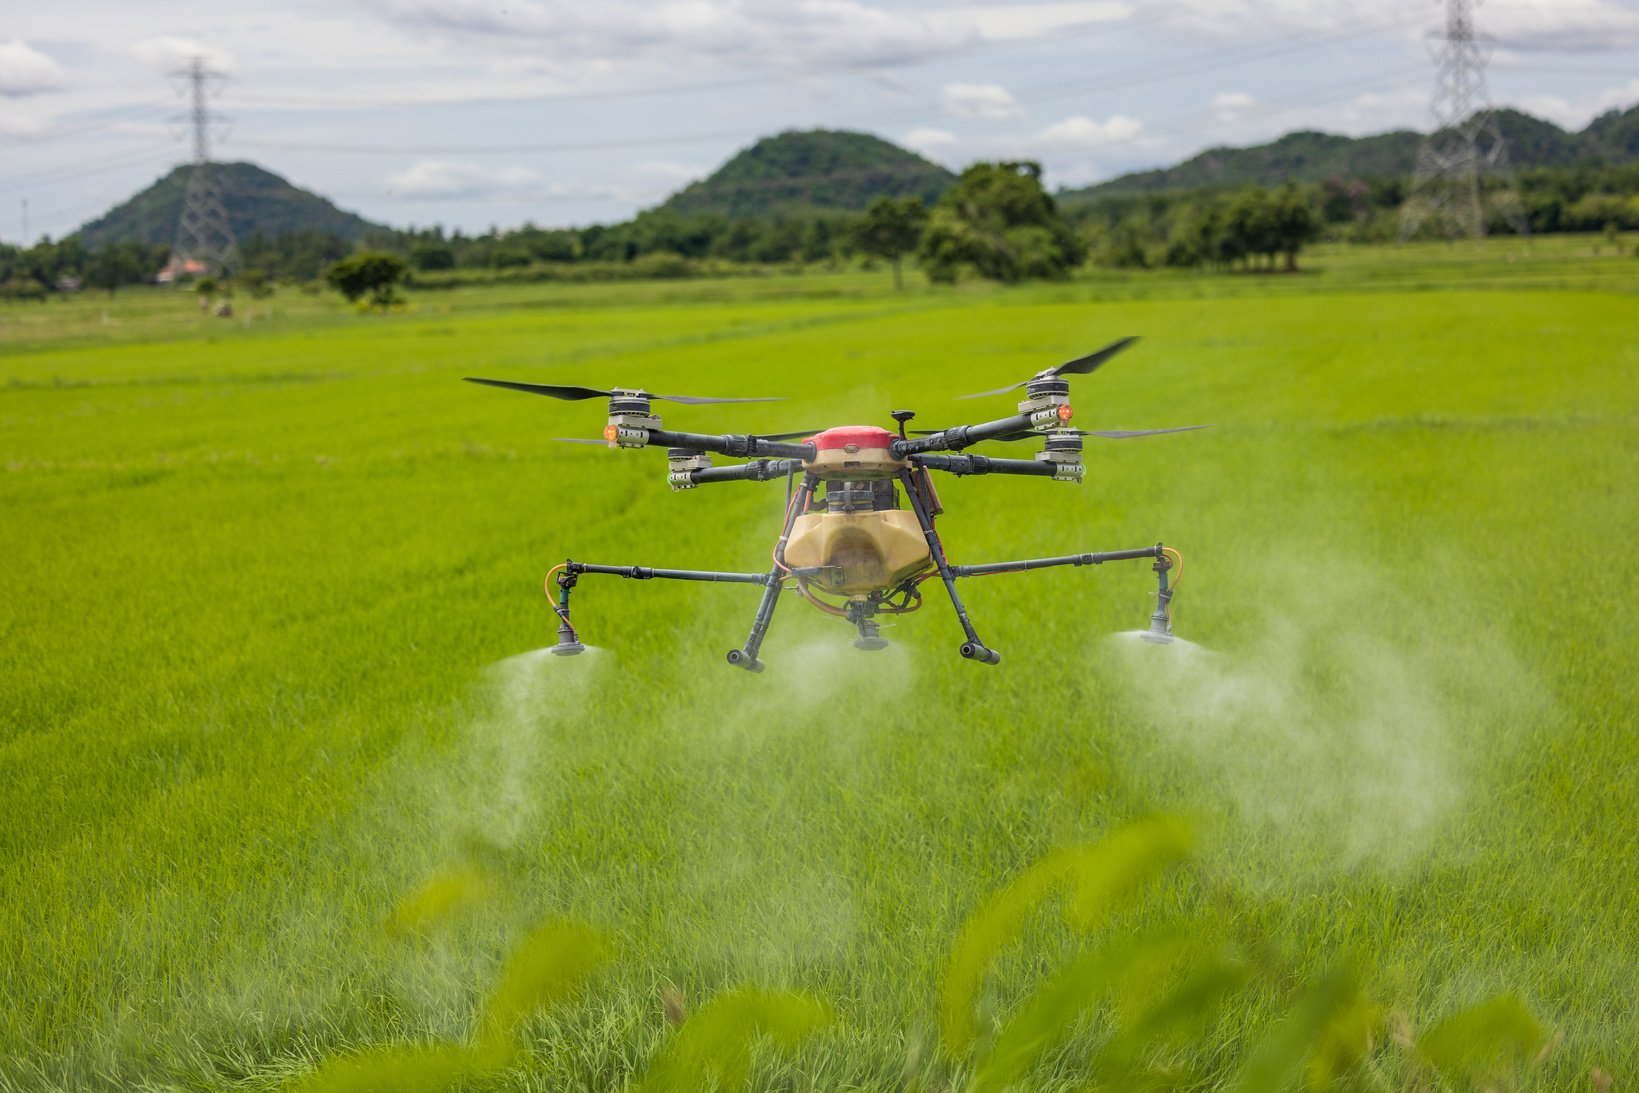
291	799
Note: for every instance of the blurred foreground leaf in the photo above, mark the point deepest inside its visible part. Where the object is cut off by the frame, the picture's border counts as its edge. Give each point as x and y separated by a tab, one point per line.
1099	877
1484	1041
546	968
1317	1031
712	1049
400	1070
439	898
550	964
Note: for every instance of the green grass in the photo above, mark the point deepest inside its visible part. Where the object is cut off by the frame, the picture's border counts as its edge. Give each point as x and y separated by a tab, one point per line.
264	580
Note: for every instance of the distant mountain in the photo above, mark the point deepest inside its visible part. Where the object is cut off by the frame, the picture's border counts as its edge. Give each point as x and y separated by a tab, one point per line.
817	169
257	201
1309	156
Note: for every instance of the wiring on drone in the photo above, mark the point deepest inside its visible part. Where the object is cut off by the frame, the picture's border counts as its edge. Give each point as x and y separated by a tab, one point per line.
779	545
1178	560
561	612
829	609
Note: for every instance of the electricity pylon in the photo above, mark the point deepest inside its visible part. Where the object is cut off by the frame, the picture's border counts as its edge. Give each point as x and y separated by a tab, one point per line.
203	233
1465	147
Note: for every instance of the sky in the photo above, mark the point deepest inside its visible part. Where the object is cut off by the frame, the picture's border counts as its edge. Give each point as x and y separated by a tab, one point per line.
479	113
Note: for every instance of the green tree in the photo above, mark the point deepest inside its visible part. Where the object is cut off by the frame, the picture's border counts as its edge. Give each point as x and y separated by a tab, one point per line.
432	255
376	274
891	229
257	283
998	220
1250	224
1293	222
112	266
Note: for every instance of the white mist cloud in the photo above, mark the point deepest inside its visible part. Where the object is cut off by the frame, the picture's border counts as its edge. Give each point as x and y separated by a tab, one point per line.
989	102
24	70
1334	737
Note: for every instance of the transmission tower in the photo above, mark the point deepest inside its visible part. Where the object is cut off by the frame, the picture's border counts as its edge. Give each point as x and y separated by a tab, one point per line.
1465	146
203	233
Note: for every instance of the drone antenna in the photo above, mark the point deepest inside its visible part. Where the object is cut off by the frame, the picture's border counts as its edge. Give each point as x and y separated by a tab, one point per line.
902	416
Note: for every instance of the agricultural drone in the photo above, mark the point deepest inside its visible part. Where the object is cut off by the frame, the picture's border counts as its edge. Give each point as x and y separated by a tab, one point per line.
853	551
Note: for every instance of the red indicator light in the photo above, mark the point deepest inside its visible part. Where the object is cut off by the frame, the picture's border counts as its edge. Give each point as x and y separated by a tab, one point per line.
1065	412
610	432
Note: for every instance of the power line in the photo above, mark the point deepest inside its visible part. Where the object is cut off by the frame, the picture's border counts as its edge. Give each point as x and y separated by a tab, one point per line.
85	168
1204	62
735	83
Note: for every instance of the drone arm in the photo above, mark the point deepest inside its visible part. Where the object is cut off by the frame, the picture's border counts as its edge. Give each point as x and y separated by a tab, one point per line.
958	437
983	464
643	573
1160	629
1045	563
739	445
760	470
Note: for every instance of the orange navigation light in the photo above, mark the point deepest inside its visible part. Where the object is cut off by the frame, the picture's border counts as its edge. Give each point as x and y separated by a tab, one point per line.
1065	413
610	432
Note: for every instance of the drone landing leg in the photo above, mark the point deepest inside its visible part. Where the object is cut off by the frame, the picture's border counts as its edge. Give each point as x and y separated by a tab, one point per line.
972	648
746	657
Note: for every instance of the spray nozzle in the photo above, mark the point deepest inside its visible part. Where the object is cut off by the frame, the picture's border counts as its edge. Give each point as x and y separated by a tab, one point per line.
1160	631
568	640
860	612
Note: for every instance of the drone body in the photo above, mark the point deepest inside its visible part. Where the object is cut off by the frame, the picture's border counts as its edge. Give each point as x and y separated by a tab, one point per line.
859	537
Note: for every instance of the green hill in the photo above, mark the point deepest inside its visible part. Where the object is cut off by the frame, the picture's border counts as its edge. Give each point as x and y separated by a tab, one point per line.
1309	156
258	201
818	169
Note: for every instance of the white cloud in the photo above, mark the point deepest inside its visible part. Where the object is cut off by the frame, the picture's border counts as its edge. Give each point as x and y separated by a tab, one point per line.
1030	20
1083	133
1231	105
21	123
1402	106
807	34
432	178
924	139
987	101
171	53
440	180
1542	25
24	70
671	172
923	136
1564	26
1576	113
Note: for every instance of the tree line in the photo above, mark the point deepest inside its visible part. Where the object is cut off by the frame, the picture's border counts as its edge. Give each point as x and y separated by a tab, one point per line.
996	222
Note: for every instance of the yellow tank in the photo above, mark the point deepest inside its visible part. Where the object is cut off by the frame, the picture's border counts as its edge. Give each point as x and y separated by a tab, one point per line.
872	551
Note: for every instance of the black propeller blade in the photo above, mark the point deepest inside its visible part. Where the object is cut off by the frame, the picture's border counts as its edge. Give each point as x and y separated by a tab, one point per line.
760	436
1127	434
1081	366
577	394
1108	434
